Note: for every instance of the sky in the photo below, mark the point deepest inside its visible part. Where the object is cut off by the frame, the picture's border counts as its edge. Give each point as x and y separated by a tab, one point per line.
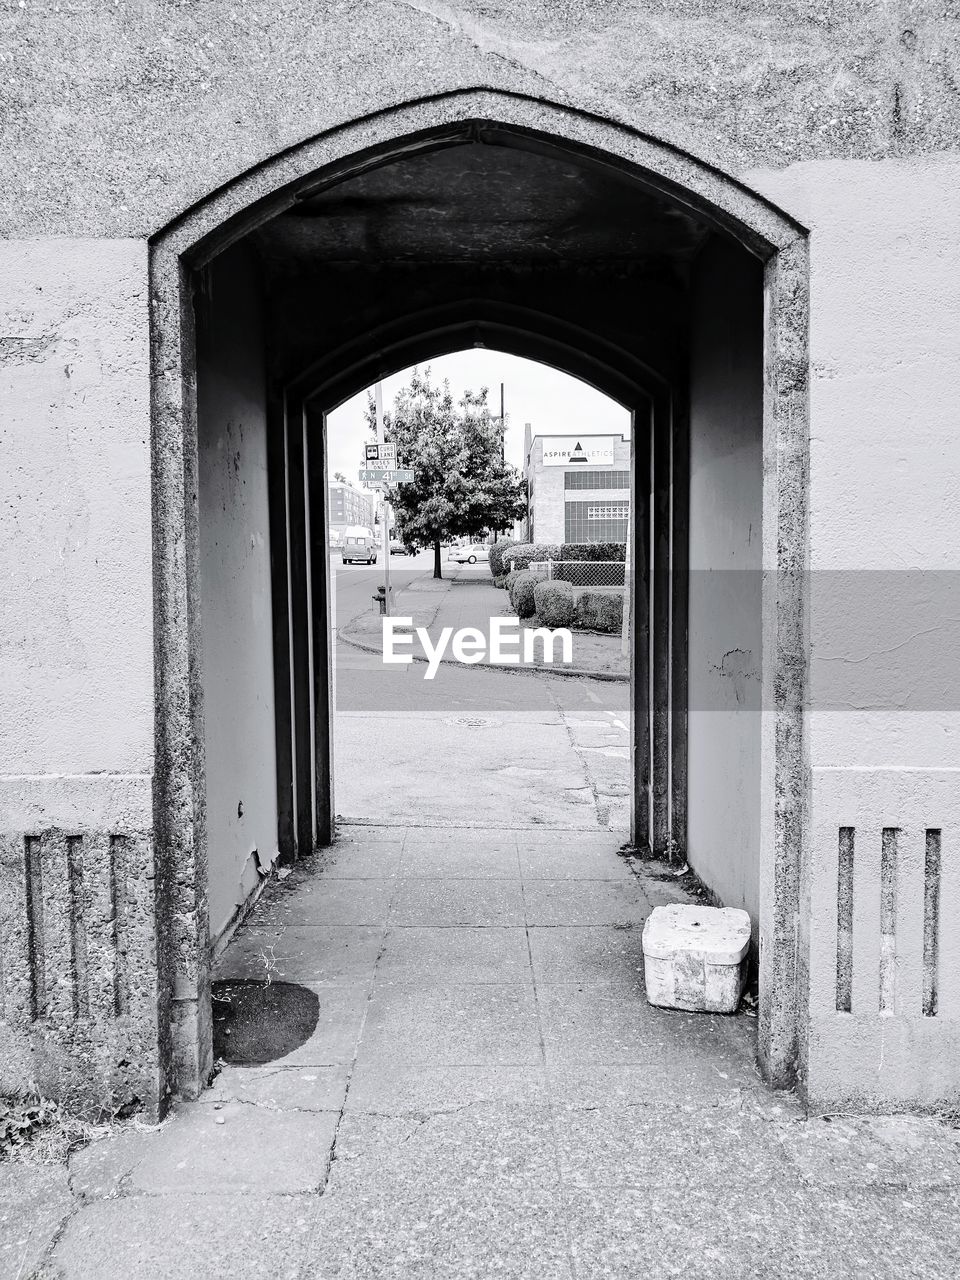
553	402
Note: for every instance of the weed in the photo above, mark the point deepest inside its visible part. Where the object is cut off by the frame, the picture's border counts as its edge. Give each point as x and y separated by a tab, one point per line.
38	1128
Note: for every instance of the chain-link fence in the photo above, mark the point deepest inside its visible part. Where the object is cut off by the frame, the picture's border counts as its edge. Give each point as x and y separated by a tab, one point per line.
583	573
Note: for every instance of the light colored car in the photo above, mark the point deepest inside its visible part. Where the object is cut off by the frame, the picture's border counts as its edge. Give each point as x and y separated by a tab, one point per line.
470	554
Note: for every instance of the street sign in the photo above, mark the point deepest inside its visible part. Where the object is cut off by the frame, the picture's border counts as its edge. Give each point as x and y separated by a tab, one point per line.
386	475
381	455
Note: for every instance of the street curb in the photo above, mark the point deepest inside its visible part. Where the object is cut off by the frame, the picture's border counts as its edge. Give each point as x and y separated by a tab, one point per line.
578	673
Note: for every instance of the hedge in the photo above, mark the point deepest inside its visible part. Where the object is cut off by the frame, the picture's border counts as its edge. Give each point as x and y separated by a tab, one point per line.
593	551
524	554
554	603
498	564
598	609
521	592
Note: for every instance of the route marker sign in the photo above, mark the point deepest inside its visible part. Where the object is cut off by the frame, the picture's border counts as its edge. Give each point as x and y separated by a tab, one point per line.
386	476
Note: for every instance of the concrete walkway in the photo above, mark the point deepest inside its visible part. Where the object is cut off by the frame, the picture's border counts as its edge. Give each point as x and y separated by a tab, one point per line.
482	1091
477	747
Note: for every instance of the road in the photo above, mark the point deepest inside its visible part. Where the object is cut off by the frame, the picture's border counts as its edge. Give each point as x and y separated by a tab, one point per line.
474	746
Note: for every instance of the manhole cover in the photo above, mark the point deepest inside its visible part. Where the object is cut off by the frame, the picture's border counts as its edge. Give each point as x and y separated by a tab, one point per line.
473	722
256	1021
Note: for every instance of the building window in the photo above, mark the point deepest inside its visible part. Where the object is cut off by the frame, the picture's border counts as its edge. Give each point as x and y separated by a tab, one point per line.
597	480
607	511
596	521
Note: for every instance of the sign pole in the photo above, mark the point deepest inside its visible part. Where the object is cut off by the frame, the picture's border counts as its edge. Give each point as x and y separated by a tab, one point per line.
385	513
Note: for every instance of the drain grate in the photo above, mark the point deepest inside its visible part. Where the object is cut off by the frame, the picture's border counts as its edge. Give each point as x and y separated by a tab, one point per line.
473	722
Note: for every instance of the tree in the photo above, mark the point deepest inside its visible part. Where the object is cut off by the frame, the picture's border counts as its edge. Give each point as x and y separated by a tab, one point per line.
462	484
339	476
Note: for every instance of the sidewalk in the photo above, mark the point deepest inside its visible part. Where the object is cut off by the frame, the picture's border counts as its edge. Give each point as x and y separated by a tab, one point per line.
453	1073
468	598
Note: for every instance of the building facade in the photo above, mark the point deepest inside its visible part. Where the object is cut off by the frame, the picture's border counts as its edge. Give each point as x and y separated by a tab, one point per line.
349	506
578	488
203	253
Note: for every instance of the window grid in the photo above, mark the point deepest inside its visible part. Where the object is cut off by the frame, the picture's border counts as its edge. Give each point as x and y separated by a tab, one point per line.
607	511
597	480
596	522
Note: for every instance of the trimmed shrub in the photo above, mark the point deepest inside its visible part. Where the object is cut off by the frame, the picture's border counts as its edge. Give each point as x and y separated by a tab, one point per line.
521	593
599	609
554	604
593	551
523	554
498	564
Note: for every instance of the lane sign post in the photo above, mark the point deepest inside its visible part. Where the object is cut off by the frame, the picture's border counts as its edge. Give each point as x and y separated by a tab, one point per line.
379	460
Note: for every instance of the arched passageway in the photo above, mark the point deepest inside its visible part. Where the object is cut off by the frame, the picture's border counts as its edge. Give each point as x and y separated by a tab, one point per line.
614	259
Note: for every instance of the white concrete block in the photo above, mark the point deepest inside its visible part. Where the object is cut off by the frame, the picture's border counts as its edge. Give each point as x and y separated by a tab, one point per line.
696	957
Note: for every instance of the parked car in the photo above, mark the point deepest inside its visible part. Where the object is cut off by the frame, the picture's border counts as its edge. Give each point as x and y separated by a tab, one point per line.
359	546
469	554
397	548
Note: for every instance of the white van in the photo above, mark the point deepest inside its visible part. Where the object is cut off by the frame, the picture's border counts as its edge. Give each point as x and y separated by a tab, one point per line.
359	546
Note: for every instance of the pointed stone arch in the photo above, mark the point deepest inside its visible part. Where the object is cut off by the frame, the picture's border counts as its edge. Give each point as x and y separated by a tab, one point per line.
228	213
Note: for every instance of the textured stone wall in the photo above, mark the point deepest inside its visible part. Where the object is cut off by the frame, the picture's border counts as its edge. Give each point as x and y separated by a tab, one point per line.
78	973
148	108
79	998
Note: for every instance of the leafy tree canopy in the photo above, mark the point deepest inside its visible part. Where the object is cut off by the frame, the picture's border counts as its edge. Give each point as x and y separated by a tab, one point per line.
462	485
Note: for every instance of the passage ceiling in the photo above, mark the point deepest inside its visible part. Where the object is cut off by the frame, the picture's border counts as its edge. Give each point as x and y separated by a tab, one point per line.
482	203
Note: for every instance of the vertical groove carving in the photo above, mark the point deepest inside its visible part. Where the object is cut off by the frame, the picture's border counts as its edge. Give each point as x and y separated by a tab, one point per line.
78	929
845	921
888	919
931	923
118	887
34	887
3	976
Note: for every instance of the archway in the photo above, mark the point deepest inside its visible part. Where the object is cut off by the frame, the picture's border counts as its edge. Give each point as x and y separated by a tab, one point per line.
660	173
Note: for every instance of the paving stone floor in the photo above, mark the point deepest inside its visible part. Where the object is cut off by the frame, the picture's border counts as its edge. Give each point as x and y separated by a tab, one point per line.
487	1093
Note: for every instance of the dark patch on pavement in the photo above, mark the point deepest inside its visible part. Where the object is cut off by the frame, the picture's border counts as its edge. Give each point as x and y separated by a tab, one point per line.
256	1021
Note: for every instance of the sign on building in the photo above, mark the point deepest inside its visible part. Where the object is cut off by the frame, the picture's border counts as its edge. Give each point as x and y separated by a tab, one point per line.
571	451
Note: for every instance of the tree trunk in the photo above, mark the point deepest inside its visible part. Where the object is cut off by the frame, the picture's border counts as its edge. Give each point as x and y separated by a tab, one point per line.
437	572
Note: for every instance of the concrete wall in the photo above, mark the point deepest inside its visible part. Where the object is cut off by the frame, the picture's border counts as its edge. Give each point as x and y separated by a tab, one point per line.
181	104
156	108
237	625
75	561
884	592
78	983
726	488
